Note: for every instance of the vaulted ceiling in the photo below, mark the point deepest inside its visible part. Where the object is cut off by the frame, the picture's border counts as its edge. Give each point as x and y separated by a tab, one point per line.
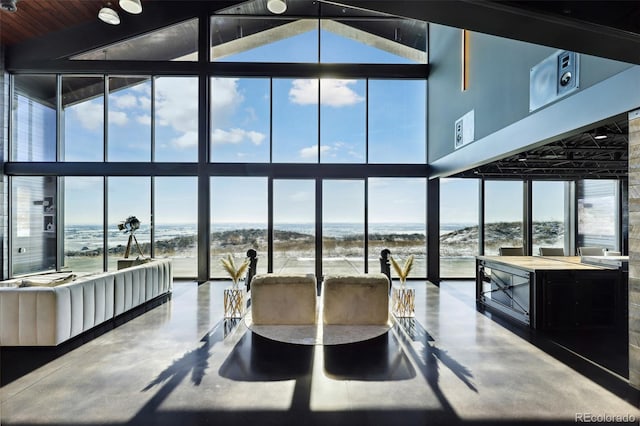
606	29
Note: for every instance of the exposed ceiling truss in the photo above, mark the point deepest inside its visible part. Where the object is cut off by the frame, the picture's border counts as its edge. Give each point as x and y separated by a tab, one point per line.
582	156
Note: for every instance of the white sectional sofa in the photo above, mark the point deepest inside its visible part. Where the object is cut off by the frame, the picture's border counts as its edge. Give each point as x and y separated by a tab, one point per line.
48	316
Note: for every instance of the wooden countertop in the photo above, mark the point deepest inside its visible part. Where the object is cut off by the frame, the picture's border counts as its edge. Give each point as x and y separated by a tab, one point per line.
538	263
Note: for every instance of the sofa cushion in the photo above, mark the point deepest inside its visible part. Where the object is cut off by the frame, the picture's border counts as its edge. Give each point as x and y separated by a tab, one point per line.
49	280
278	299
356	299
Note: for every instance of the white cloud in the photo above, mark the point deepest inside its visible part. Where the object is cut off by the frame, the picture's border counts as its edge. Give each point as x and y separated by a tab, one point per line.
187	140
176	103
333	92
338	93
118	118
225	98
144	87
143	119
304	92
90	115
176	107
312	151
145	103
124	101
236	136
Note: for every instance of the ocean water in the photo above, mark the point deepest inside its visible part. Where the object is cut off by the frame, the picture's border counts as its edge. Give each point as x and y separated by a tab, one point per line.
78	237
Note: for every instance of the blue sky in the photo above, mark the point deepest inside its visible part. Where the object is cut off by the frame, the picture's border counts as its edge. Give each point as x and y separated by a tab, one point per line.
242	131
503	201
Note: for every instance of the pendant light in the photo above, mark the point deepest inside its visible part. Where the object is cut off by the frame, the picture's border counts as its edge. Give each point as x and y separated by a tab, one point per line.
108	15
131	6
277	6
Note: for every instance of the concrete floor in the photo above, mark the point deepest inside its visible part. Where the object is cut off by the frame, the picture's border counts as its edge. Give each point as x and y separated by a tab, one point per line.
180	363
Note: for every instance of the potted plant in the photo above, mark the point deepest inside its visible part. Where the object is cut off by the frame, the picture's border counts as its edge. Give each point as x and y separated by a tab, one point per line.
236	272
402	272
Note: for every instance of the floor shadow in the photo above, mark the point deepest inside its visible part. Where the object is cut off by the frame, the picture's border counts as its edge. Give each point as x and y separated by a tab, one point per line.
256	358
607	348
420	345
194	362
601	355
379	359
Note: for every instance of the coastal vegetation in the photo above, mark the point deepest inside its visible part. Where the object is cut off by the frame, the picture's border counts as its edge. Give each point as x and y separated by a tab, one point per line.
459	242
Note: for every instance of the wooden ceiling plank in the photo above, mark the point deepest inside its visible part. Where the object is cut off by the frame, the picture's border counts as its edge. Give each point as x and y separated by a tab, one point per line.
47	16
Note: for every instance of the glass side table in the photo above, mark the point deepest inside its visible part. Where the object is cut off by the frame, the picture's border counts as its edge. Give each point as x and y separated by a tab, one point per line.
403	301
234	302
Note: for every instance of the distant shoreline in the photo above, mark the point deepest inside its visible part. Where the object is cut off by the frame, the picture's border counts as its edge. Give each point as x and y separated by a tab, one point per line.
461	241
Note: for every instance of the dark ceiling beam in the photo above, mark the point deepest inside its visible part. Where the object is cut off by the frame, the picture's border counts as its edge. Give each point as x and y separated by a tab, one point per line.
516	23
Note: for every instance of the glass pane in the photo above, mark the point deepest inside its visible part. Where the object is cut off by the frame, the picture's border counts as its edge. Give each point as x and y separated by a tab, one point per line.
598	214
342	227
83	118
83	223
129	119
34	229
238	220
502	215
294	226
128	196
175	43
548	215
240	120
175	223
397	123
397	221
176	119
33	136
382	41
459	213
295	121
342	121
237	39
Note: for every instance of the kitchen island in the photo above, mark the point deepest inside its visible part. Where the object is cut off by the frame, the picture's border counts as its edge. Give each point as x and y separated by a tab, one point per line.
554	292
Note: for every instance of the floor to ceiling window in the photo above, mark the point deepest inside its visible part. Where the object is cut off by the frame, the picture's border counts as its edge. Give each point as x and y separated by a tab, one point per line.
294	230
397	221
83	223
342	227
175	222
238	220
459	238
128	197
82	118
503	215
129	119
289	154
33	230
548	215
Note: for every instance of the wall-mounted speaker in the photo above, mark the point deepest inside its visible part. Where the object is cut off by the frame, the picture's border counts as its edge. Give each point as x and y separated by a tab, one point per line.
464	130
554	77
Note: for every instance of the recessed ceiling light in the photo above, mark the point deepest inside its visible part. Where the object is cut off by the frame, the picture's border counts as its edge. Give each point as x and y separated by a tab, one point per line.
108	15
